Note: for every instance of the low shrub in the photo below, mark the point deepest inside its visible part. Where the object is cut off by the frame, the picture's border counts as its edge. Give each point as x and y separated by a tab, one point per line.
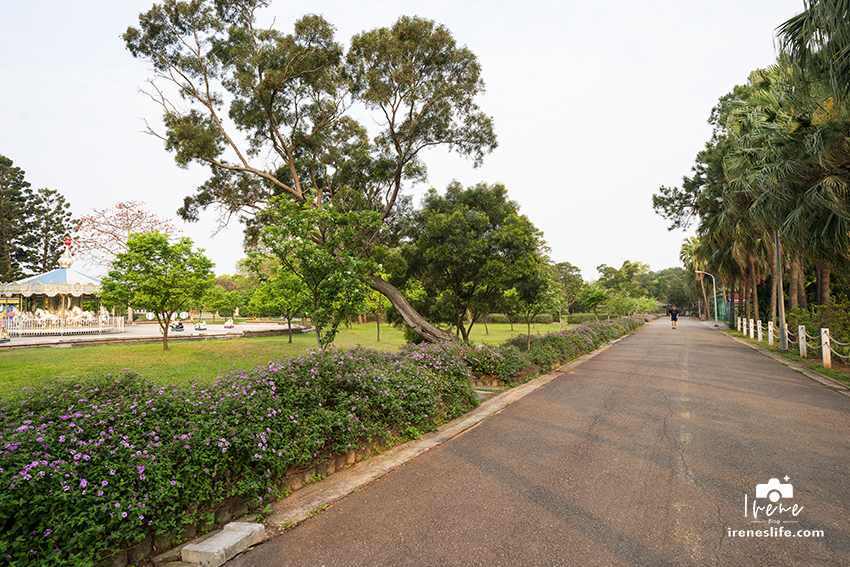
579	318
831	316
559	347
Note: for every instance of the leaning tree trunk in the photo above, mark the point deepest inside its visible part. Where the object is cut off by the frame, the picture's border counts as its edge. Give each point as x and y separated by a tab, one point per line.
416	322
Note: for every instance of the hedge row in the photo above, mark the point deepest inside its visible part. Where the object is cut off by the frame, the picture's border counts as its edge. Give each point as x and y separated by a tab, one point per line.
91	466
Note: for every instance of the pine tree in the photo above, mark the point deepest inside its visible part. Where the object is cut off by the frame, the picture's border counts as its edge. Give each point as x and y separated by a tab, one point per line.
51	223
15	196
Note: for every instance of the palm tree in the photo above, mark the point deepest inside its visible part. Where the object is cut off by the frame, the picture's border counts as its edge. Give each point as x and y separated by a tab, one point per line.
818	41
692	262
791	158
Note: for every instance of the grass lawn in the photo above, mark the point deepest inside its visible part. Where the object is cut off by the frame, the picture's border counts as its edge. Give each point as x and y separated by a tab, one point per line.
184	361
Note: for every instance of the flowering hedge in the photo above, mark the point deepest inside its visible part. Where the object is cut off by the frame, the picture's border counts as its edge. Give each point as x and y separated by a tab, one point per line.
90	466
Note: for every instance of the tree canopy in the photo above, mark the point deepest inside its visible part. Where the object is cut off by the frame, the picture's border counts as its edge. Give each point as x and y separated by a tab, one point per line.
271	114
157	276
776	169
469	247
33	225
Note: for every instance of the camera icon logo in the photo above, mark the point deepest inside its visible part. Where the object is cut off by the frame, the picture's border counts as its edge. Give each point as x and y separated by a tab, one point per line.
774	490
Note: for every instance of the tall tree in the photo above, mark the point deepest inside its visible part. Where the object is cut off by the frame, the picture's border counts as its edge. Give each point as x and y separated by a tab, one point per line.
566	285
157	276
470	246
331	274
289	96
51	224
14	222
818	40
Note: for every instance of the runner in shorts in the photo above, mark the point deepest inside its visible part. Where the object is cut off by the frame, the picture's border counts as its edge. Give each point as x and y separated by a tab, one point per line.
674	316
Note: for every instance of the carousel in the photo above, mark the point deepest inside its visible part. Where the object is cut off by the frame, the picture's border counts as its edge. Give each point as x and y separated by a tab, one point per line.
60	302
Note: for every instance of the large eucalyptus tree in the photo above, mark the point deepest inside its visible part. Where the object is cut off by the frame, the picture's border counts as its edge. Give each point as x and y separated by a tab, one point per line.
270	113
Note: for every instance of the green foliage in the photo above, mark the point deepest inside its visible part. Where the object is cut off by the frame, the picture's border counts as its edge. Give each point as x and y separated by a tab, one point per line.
831	316
157	276
554	348
470	247
33	225
288	96
633	278
591	295
578	318
51	224
224	303
319	248
621	304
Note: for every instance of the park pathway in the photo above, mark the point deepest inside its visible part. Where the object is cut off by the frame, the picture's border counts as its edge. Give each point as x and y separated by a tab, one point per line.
642	456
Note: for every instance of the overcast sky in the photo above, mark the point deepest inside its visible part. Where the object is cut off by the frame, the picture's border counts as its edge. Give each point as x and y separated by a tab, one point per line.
596	105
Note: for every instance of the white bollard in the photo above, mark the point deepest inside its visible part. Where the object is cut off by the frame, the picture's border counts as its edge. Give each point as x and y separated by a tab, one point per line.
827	354
744	327
739	324
752	328
770	333
759	331
801	332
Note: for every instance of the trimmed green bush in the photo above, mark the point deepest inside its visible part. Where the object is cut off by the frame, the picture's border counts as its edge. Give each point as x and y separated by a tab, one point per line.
579	318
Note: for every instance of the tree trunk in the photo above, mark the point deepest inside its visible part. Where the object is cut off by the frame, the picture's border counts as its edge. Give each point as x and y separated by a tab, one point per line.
793	283
704	296
754	292
823	283
802	300
775	278
742	295
378	321
416	322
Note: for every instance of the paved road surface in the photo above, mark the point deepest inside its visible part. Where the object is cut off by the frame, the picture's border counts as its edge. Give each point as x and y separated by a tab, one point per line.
642	456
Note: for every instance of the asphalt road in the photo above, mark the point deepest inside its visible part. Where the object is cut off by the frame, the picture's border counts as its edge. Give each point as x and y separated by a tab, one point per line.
642	456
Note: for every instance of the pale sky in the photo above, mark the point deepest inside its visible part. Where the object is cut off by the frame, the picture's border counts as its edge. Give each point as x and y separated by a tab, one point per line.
596	105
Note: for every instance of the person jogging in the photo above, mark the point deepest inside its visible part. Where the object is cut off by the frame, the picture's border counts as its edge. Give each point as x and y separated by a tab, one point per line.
674	316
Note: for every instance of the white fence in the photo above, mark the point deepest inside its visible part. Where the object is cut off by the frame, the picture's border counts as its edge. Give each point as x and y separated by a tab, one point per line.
40	327
825	343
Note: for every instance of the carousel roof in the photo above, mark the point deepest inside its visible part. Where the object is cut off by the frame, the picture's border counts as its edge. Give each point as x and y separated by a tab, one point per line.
61	281
61	275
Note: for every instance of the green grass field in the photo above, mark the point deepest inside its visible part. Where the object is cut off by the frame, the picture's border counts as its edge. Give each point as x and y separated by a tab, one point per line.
185	361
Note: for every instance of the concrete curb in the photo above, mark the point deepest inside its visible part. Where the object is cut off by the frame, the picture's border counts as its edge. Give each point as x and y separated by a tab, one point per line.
232	540
317	497
834	385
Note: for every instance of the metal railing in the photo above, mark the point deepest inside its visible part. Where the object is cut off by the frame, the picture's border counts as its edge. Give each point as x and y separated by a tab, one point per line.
41	327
